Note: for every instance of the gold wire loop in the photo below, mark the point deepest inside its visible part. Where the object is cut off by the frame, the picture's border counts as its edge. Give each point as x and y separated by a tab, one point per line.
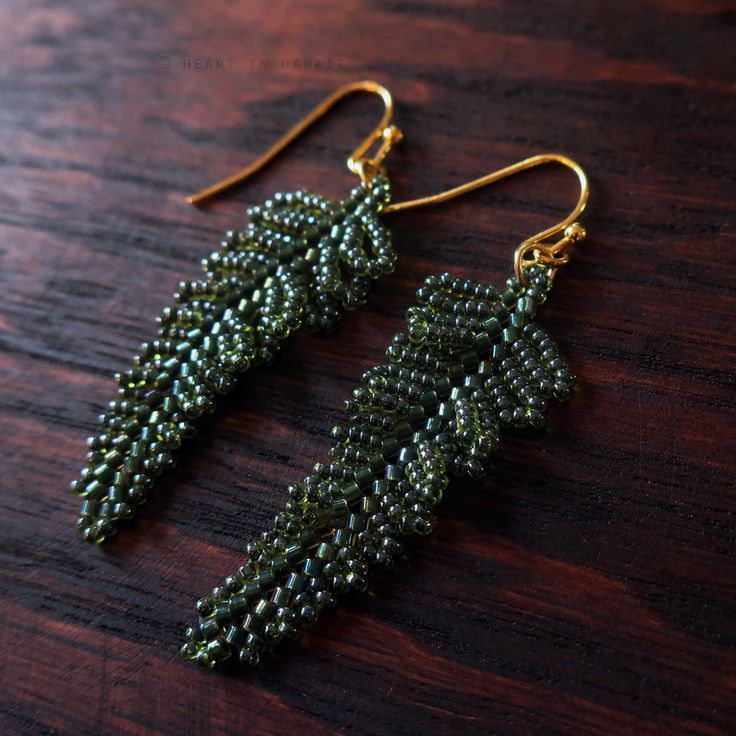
366	167
533	250
554	255
358	163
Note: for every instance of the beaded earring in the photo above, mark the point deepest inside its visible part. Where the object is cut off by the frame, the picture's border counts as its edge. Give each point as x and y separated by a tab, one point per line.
471	362
302	259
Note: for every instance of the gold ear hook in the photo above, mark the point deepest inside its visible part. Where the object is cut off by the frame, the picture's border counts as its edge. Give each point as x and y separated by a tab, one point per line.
534	249
359	162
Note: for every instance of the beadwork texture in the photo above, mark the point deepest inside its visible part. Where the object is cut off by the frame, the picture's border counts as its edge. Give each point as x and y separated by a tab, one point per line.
301	259
470	362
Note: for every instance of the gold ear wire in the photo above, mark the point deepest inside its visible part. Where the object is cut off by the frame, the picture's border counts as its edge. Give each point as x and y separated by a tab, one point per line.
534	249
359	162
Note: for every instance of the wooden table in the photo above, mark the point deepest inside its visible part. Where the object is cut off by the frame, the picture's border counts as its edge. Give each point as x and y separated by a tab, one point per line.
588	586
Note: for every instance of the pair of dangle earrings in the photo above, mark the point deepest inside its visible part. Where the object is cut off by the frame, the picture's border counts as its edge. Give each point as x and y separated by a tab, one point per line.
470	362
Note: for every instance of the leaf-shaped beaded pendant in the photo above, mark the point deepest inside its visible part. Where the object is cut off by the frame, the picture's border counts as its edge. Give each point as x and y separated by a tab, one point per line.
302	259
471	362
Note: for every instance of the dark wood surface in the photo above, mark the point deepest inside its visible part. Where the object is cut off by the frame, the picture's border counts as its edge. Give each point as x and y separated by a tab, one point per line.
588	586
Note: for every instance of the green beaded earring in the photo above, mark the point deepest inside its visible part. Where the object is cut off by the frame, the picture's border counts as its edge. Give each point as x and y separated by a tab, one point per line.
302	259
471	362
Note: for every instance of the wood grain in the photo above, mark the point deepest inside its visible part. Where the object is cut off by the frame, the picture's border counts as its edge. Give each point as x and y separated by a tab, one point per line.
588	586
